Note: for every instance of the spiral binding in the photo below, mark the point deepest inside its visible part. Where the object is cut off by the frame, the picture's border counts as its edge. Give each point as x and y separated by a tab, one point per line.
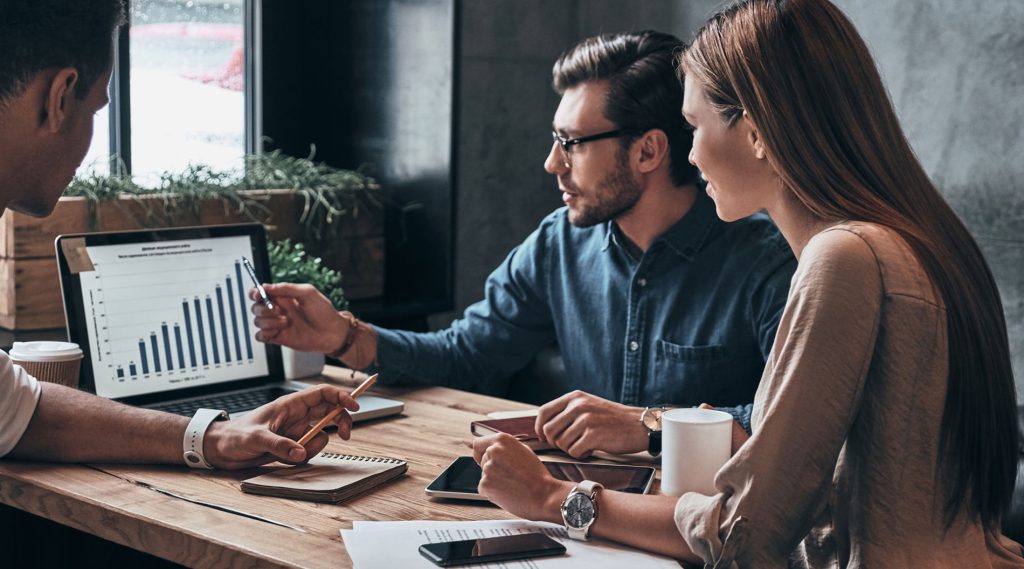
358	458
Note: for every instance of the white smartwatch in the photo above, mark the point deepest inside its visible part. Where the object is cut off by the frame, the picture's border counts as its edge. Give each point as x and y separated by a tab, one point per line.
194	435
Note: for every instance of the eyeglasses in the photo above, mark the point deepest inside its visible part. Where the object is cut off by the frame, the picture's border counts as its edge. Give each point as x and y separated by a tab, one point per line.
566	144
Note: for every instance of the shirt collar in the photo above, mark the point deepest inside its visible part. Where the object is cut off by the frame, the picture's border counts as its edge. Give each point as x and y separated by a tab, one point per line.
688	235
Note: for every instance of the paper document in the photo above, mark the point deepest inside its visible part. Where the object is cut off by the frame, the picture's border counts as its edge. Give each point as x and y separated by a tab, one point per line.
385	545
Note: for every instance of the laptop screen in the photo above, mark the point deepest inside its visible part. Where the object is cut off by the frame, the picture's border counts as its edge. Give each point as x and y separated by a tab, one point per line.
163	313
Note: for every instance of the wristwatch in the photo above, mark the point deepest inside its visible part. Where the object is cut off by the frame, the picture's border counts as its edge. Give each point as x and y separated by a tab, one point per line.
579	509
196	432
651	419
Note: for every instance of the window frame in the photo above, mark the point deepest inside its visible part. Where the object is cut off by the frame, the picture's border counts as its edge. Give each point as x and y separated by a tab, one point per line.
119	119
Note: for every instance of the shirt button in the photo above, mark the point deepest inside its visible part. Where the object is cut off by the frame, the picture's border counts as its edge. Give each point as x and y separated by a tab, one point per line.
633	346
642	282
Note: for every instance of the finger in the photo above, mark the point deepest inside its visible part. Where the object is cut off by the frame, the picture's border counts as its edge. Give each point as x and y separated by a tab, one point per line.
344	423
297	291
267	337
481	445
274	323
582	448
705	406
571	436
554	428
547	412
316	444
282	448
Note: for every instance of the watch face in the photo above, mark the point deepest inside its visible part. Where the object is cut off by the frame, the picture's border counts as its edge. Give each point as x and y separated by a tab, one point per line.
652	418
579	511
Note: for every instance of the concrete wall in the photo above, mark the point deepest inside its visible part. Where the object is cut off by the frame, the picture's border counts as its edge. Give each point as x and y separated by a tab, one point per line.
955	72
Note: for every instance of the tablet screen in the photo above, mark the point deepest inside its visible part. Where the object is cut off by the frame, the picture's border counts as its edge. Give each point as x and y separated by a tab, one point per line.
461	478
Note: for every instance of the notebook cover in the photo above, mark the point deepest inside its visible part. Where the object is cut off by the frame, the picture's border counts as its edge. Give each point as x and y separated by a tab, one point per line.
328	477
519	427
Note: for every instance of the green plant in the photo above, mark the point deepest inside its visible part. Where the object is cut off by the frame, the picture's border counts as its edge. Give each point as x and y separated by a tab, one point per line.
289	262
329	193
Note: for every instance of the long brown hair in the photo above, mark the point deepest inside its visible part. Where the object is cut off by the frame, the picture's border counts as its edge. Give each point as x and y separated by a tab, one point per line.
807	80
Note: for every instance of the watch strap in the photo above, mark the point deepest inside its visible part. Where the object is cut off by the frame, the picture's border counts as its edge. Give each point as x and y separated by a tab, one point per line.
194	435
654	443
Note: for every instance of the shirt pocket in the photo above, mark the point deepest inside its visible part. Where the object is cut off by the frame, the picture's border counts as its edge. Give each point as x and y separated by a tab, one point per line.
714	374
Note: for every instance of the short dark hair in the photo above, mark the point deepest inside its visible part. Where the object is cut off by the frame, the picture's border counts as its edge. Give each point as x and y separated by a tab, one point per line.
42	34
643	91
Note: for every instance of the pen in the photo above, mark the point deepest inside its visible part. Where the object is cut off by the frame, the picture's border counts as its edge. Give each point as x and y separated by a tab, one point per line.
330	416
259	288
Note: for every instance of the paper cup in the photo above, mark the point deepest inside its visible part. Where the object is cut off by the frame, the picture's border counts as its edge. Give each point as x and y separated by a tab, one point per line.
695	443
55	362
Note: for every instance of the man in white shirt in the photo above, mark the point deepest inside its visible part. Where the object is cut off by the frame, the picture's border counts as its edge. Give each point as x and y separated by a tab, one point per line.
57	61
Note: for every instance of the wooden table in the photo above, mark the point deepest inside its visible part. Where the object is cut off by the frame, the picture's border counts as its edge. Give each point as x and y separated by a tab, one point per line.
104	500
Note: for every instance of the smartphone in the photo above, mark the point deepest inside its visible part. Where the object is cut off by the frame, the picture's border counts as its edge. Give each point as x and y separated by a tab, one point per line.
487	549
461	478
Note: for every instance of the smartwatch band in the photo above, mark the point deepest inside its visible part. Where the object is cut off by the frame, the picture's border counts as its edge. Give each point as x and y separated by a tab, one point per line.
194	435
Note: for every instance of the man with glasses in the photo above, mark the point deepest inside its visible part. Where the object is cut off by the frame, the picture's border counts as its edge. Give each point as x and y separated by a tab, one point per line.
652	299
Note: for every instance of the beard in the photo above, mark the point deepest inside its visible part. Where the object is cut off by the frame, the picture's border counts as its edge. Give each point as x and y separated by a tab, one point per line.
615	195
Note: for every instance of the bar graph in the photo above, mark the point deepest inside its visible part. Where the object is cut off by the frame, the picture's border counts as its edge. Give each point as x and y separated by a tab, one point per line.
169	314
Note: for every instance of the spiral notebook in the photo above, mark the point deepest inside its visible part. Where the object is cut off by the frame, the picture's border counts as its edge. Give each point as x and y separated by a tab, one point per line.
328	477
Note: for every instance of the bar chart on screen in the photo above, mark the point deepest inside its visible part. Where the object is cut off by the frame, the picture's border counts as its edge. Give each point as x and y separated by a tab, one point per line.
169	314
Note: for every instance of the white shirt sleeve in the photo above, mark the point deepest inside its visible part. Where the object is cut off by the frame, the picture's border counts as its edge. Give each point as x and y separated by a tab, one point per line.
19	395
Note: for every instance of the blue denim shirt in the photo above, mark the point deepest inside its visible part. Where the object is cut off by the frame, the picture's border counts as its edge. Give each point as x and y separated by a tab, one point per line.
690	321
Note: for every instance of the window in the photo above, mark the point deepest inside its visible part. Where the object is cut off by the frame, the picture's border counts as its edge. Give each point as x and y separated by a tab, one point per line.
185	102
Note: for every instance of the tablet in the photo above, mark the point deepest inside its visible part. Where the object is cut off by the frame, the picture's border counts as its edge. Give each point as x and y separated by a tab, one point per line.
461	478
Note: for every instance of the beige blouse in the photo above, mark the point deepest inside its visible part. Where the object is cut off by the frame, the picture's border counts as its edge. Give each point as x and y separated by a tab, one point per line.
840	470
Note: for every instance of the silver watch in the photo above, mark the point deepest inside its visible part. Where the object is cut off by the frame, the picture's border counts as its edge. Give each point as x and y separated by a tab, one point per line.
579	509
651	418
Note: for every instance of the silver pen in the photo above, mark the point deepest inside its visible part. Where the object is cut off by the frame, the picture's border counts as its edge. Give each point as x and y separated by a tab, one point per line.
259	288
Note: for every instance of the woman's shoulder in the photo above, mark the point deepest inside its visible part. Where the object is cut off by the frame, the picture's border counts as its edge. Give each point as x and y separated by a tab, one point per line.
862	249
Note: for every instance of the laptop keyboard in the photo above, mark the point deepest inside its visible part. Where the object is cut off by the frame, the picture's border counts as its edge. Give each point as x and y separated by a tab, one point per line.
230	402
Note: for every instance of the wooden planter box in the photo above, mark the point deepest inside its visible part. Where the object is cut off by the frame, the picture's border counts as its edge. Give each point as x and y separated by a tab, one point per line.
31	298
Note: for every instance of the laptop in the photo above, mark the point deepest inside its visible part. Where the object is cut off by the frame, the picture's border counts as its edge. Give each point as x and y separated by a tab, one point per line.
164	321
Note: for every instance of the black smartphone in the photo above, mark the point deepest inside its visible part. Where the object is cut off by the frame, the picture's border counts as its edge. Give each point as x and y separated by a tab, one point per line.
487	549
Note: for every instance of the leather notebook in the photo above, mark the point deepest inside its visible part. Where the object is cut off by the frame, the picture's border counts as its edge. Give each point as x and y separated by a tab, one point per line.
327	477
519	427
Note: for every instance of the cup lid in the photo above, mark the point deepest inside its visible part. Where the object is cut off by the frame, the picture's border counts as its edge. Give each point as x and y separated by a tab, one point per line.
45	351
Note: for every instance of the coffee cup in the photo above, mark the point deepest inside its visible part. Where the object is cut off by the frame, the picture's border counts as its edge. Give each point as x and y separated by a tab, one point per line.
55	362
695	443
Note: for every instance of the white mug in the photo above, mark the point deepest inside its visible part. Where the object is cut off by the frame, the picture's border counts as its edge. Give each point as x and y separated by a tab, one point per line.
695	443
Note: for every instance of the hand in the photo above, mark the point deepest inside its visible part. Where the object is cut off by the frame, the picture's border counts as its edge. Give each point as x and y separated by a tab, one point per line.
514	479
302	318
269	433
739	436
580	423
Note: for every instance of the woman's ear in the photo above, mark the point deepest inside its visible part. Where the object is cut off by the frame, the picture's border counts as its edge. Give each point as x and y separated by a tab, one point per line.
754	138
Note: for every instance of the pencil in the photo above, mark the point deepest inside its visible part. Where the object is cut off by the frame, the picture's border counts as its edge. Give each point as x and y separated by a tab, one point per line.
337	411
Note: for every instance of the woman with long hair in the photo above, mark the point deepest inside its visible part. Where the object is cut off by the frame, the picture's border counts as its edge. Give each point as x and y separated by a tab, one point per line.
884	427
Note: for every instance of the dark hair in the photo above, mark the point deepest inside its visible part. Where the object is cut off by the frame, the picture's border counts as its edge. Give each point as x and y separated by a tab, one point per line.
41	34
799	66
643	92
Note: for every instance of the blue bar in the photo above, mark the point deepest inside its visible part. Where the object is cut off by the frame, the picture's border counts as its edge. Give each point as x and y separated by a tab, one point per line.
167	347
213	329
177	340
234	317
245	309
202	335
188	333
223	325
156	352
120	373
142	356
131	369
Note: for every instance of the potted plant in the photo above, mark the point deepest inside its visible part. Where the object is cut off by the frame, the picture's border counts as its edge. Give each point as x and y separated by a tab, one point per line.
289	262
337	213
